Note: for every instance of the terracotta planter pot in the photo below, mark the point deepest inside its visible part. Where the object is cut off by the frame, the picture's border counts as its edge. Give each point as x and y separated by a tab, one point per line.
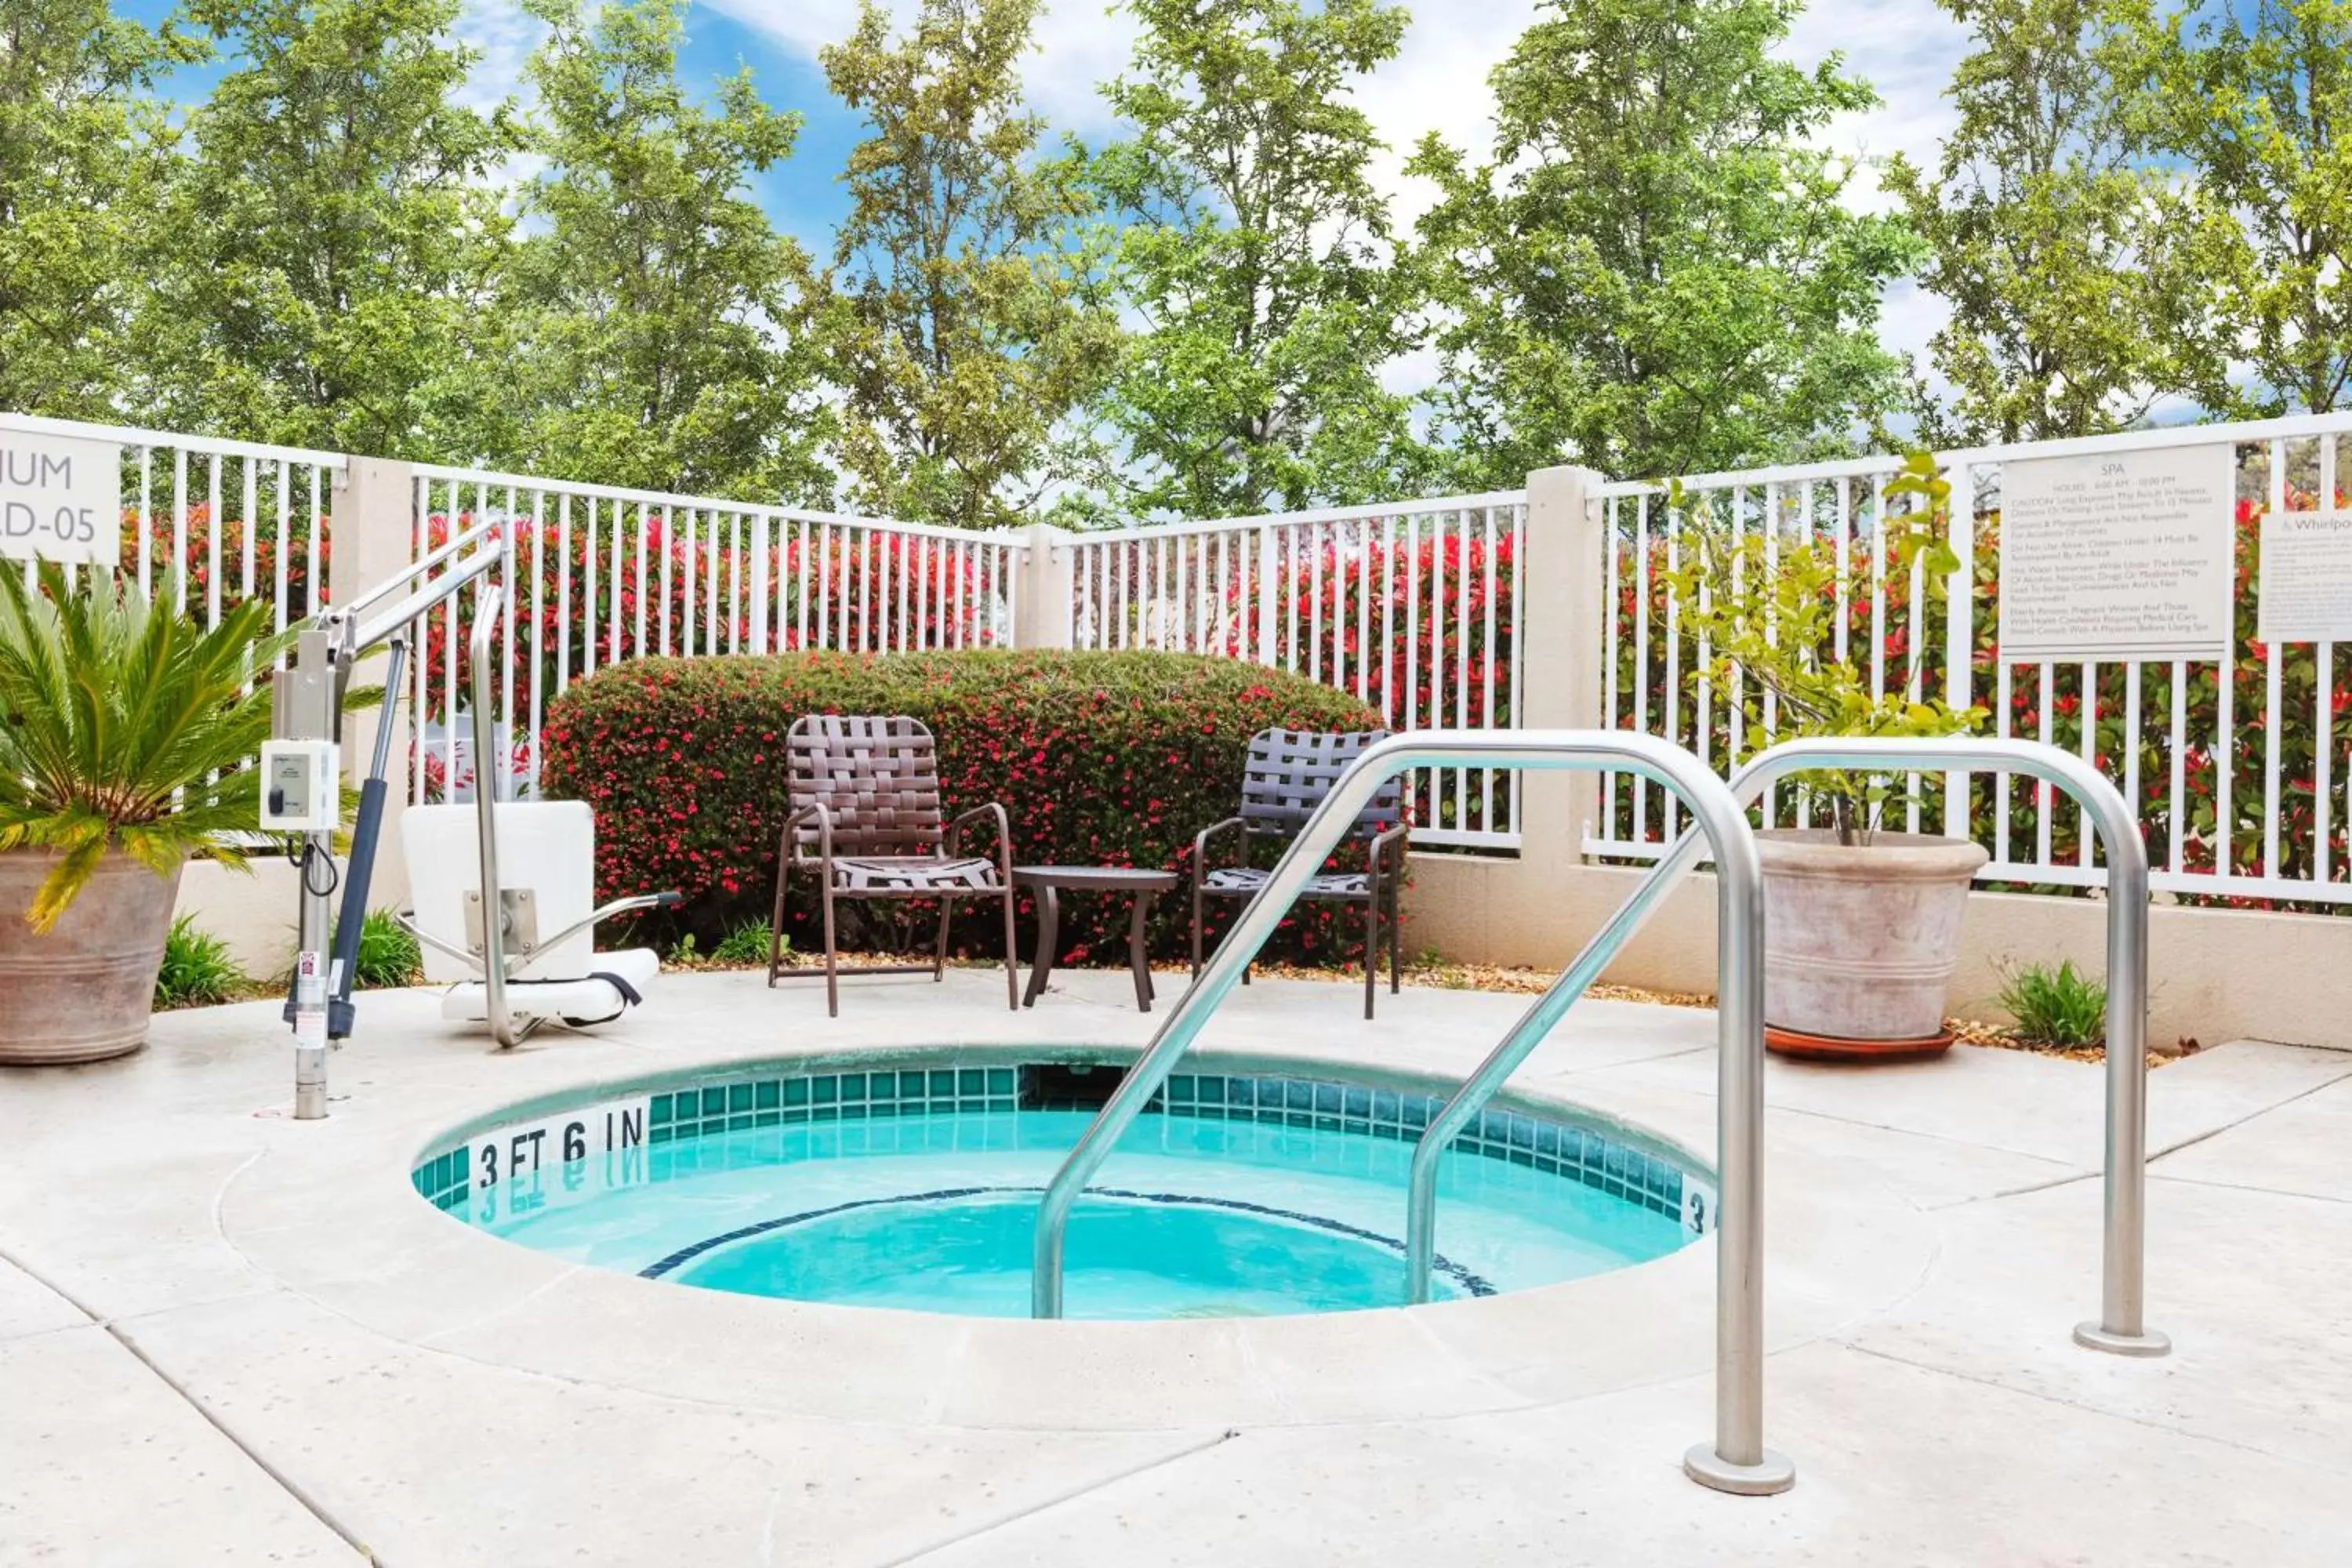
1860	941
83	992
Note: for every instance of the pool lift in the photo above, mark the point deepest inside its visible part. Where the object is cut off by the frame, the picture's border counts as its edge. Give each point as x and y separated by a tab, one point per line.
488	957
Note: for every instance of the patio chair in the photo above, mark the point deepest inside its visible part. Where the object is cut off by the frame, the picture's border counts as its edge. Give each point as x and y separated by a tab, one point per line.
866	822
1287	775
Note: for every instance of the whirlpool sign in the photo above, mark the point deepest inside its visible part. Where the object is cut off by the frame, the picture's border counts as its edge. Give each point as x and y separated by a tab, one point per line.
61	499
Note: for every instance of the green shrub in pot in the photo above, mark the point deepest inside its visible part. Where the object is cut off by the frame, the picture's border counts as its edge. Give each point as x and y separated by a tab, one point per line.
127	738
1862	926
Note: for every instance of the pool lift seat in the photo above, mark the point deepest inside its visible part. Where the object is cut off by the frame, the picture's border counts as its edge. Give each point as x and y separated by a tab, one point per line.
544	865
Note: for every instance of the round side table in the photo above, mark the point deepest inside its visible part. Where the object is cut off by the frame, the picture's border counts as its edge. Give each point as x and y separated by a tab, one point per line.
1051	881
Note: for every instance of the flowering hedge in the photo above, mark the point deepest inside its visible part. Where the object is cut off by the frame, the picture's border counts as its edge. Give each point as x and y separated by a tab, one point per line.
195	537
1416	628
1107	759
853	585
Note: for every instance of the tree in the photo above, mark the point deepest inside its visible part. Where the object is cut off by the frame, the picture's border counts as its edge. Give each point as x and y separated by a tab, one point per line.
2071	265
81	155
1655	273
2257	104
1257	256
323	258
648	296
961	316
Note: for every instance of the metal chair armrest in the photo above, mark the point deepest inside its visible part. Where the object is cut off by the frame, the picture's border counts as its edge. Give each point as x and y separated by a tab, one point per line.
823	816
954	838
1201	840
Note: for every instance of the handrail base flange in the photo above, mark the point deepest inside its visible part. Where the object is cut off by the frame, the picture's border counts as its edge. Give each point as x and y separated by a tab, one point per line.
2091	1336
1768	1475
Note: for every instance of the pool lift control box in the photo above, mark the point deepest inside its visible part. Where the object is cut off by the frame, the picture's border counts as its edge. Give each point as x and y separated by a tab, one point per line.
301	787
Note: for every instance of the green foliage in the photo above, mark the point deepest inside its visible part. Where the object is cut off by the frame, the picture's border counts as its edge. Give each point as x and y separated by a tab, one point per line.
197	968
1256	256
1107	759
2072	268
747	943
320	269
2255	100
959	317
1765	605
81	149
1656	273
2056	1005
641	304
388	953
130	728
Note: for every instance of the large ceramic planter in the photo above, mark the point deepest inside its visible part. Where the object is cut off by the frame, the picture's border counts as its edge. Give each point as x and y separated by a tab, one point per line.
83	992
1861	941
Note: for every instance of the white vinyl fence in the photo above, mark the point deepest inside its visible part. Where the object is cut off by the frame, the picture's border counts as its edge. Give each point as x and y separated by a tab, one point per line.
2237	769
1413	608
210	524
2234	769
602	575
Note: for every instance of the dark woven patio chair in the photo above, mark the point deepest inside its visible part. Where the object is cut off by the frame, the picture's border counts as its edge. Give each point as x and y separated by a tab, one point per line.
1287	776
867	825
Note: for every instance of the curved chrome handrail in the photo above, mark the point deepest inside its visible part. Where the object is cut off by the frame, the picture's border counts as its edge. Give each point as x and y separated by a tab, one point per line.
1738	1459
2120	1327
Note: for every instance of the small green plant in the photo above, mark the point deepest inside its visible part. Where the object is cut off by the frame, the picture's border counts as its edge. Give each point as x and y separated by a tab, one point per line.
1765	604
388	953
683	954
747	943
2056	1005
197	968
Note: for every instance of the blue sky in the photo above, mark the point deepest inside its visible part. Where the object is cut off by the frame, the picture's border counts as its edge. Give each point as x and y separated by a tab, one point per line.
1906	47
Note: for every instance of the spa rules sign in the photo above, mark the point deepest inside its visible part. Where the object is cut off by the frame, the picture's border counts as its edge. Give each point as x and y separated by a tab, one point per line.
2119	557
61	499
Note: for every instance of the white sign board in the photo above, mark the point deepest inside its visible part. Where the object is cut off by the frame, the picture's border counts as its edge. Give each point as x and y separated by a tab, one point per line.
2119	557
2307	589
61	499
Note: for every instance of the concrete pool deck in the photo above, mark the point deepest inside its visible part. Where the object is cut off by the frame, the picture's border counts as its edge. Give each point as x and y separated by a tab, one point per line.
228	1337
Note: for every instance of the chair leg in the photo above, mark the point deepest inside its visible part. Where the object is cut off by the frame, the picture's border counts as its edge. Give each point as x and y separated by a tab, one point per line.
832	963
1371	947
1196	926
940	956
1396	941
776	919
1012	962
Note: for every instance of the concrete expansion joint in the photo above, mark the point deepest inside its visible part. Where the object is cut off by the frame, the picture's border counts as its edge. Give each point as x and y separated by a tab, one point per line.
2047	1397
118	1331
1100	1483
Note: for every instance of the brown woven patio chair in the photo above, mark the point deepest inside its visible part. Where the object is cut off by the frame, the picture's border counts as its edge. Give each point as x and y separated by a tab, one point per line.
1287	775
866	823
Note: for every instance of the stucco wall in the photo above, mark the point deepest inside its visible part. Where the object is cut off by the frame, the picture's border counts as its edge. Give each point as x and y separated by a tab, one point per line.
2215	975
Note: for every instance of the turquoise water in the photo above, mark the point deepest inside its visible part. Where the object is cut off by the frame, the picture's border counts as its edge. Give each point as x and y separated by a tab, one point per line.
1188	1218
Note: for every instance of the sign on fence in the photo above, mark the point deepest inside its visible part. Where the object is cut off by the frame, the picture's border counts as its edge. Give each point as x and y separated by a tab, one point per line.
61	499
2307	587
2117	557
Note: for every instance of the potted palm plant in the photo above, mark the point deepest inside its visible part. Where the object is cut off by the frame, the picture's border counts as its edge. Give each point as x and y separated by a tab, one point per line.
1861	924
127	735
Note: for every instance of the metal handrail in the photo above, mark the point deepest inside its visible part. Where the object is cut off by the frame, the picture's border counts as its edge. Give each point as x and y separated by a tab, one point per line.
1737	1460
489	778
2119	1328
